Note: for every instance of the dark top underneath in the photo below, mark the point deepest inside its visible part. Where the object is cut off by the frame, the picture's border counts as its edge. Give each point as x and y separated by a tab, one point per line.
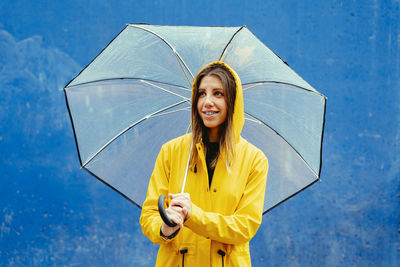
212	153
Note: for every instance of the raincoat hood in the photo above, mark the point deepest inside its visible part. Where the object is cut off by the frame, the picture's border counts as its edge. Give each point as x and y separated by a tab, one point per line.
238	110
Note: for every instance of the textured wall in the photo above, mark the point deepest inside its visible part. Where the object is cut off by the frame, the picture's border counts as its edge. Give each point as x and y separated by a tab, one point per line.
53	214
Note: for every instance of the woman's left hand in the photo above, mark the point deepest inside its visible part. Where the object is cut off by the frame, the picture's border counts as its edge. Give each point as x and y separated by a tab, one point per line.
183	201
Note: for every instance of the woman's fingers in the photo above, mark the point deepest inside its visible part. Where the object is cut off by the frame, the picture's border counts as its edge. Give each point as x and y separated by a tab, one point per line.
183	201
167	230
176	214
178	211
177	199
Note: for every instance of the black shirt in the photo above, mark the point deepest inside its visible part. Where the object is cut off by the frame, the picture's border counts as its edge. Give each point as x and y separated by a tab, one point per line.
212	153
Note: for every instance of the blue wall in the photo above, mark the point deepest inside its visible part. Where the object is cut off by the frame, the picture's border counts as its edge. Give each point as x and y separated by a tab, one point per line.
53	214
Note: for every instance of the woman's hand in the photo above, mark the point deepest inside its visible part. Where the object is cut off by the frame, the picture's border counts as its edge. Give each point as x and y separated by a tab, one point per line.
178	211
177	216
183	201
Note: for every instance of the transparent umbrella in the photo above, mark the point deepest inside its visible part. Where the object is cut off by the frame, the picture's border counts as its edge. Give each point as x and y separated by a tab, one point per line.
135	96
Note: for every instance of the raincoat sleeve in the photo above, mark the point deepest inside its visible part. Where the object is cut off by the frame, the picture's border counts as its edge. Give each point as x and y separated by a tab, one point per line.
241	226
150	219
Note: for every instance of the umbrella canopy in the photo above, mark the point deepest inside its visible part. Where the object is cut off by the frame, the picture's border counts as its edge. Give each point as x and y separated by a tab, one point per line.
135	96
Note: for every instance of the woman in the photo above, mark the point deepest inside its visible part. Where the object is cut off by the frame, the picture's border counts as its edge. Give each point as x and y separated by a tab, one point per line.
222	206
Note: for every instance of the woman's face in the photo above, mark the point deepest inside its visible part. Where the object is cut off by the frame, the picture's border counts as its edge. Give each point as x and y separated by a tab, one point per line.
212	105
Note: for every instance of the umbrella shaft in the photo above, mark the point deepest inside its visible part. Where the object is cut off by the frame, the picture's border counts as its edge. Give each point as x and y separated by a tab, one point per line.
186	171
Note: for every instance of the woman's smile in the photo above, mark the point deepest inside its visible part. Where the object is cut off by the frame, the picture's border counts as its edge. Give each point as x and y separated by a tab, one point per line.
209	113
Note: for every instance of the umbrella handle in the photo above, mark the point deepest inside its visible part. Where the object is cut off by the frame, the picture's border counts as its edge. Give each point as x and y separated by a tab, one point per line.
161	199
163	213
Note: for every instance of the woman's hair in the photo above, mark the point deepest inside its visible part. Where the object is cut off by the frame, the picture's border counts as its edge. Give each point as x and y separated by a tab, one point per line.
199	130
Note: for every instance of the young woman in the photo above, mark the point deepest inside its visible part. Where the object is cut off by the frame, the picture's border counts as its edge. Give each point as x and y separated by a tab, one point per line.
222	206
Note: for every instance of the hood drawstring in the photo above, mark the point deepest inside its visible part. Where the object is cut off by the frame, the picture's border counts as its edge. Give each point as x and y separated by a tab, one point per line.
222	253
183	251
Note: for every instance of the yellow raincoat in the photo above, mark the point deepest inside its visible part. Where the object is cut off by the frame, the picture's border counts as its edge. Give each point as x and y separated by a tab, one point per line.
224	216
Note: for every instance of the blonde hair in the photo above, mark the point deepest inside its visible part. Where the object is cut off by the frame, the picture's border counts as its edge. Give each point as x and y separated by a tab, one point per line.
199	130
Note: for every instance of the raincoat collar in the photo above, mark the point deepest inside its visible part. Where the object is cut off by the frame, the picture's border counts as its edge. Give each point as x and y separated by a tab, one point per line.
238	114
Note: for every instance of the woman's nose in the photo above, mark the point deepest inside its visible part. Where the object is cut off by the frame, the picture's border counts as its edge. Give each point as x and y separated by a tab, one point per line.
208	101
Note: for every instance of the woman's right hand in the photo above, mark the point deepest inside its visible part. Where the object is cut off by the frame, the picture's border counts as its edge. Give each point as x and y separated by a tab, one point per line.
176	215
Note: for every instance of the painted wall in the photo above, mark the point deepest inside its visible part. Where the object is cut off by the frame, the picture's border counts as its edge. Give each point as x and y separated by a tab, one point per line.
53	214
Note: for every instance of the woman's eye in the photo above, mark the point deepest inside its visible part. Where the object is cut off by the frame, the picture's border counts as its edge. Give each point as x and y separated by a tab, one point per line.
219	93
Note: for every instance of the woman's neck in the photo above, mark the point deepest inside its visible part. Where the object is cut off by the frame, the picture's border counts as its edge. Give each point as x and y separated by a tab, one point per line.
213	135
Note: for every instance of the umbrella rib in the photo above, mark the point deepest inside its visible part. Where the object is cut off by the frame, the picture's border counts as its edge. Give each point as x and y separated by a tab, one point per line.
263	123
170	46
253	120
255	84
159	87
129	78
188	128
289	115
271	106
221	58
129	127
170	112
